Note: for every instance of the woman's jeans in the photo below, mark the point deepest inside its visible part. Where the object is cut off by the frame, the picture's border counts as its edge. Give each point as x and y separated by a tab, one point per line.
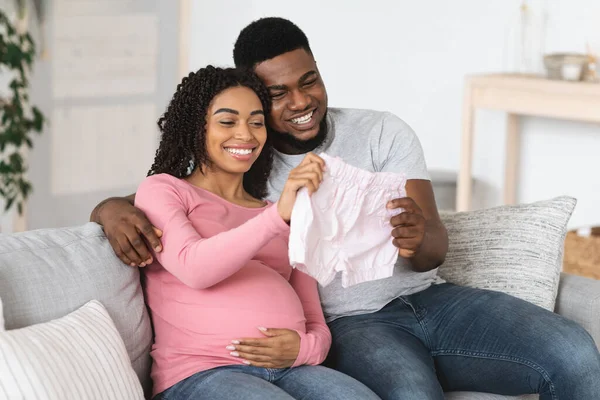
241	382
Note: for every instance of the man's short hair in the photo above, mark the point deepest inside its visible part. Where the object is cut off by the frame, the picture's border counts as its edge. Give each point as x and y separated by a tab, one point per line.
265	39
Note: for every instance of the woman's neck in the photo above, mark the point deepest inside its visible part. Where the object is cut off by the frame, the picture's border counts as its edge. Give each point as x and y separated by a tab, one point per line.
228	186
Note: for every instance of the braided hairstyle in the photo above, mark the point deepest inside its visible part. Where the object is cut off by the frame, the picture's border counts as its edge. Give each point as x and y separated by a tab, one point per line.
183	126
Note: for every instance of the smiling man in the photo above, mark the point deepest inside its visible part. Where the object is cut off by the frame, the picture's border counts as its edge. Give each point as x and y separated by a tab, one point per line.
297	116
409	336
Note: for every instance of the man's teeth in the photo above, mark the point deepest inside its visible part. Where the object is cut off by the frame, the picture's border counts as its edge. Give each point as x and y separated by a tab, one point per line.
242	152
304	119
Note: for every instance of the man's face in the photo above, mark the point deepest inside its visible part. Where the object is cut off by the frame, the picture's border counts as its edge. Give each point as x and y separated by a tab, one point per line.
299	100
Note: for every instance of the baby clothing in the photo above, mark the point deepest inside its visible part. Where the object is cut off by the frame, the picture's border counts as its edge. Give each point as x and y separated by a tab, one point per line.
345	225
377	142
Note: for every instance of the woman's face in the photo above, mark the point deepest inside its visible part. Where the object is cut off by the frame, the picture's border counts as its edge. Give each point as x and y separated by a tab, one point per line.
235	130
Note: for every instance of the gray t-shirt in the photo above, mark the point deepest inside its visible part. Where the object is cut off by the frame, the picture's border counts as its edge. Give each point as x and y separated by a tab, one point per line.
377	142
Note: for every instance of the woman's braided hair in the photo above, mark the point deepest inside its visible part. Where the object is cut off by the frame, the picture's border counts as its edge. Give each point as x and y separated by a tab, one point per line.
183	126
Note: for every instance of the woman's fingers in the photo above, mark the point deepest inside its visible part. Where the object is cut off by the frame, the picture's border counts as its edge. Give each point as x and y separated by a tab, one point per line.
317	160
313	158
310	169
311	182
312	173
303	169
255	350
251	357
258	360
308	174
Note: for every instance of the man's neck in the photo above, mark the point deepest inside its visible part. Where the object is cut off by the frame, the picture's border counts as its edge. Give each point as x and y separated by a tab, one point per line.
289	149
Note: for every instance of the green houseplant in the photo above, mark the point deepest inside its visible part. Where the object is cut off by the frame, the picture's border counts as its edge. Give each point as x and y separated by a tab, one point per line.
19	120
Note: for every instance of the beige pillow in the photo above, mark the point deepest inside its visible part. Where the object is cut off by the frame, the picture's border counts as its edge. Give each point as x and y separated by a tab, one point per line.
512	249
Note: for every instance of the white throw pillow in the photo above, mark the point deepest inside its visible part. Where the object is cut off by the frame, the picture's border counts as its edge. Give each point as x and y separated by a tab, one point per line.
512	249
79	356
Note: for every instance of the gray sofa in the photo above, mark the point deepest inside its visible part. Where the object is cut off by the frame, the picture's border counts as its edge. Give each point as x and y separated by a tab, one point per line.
46	274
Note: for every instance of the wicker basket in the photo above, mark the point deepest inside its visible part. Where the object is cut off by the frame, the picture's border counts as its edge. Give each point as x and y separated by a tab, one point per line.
582	254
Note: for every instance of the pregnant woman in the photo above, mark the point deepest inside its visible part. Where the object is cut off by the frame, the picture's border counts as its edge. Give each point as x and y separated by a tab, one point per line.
232	319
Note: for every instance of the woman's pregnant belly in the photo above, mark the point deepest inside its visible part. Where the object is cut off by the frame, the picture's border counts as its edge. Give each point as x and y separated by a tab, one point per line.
200	323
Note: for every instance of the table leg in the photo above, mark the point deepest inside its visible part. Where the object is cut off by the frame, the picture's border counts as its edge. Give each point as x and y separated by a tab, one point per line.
20	221
464	186
511	167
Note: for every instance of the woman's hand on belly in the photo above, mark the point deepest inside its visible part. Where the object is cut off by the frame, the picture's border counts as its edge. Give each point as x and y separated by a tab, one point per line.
279	349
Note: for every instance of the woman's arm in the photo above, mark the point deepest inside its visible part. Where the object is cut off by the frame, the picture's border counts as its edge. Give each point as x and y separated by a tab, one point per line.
315	343
196	261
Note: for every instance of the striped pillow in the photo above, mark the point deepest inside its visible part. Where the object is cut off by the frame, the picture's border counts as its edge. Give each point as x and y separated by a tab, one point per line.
79	356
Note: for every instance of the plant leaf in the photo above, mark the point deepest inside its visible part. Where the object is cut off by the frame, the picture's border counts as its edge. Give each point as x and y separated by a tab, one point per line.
9	203
18	118
38	119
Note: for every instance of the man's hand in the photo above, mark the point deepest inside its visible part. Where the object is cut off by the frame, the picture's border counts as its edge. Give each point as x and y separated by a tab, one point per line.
126	227
278	350
408	227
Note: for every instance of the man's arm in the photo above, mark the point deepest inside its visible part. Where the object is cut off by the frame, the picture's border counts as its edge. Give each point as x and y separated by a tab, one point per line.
419	233
127	229
94	216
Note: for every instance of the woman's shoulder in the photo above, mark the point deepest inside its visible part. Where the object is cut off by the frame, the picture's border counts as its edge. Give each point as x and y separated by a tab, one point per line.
170	187
165	187
154	182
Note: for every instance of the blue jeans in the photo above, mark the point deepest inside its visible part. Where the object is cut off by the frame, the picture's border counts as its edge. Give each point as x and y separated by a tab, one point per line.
452	338
241	382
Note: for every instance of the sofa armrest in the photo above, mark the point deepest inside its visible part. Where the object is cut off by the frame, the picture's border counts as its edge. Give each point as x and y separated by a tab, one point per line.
579	300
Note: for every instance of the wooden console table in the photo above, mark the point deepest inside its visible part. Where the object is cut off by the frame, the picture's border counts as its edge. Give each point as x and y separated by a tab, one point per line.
518	95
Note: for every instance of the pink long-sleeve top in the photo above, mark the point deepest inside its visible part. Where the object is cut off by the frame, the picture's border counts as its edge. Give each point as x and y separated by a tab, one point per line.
223	272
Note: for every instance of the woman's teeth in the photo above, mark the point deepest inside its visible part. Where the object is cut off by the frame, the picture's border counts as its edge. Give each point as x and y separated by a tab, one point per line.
304	119
242	152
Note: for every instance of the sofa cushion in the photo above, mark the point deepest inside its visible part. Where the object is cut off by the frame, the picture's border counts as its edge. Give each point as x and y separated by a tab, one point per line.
46	274
1	316
579	300
513	249
78	356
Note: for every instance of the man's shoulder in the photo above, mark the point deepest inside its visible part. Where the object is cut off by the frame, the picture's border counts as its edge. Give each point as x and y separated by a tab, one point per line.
351	123
353	114
364	119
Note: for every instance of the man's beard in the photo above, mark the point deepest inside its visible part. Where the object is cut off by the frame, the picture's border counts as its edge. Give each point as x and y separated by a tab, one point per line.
302	146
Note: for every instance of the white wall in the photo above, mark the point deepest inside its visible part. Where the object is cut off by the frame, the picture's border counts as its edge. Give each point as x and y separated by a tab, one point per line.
48	207
411	57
